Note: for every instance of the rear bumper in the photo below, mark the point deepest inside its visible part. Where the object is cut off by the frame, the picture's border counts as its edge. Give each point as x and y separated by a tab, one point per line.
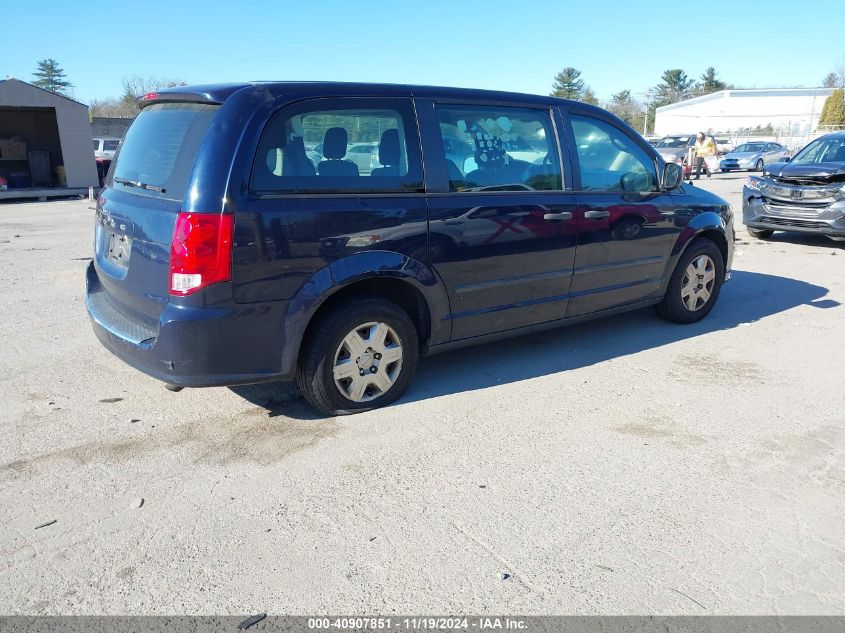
758	214
194	346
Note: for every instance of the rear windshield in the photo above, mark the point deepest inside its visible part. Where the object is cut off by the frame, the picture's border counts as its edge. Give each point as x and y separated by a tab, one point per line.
110	146
160	147
673	141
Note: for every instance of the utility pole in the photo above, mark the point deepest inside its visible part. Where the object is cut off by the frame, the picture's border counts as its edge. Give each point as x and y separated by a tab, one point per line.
648	94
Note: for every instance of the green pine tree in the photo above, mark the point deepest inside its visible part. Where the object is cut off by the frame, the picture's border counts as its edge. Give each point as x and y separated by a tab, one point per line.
589	97
710	83
50	76
675	86
568	84
833	112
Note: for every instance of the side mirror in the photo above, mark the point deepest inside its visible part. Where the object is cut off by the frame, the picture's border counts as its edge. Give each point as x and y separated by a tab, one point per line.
673	174
786	159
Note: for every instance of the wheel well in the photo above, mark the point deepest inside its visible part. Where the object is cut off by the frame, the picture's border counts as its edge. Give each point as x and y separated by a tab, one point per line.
719	239
399	292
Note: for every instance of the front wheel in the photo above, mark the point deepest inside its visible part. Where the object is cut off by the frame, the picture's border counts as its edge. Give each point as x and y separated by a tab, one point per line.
362	355
695	283
759	165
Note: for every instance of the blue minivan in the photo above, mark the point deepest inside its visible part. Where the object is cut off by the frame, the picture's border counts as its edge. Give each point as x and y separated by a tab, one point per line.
241	237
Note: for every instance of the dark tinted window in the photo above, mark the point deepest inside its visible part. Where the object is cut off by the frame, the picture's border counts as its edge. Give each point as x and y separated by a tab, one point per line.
822	150
96	144
609	159
160	147
499	148
110	146
338	146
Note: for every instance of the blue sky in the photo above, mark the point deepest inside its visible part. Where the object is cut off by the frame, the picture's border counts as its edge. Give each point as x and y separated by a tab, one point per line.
495	44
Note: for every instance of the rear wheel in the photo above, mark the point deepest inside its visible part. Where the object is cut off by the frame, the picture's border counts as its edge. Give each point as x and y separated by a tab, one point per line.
759	233
362	355
695	283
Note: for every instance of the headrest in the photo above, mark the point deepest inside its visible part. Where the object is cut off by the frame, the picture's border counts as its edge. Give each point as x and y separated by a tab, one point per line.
334	142
388	148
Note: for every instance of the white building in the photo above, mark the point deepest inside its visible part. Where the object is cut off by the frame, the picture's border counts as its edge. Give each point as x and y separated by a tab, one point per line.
789	111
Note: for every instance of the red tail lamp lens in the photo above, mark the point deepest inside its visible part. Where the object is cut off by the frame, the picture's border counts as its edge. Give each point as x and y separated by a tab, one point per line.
201	251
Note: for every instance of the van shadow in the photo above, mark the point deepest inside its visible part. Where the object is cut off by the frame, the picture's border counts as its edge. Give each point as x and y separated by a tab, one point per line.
747	298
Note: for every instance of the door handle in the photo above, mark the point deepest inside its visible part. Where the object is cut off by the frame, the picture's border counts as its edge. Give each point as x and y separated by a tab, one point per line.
596	215
563	215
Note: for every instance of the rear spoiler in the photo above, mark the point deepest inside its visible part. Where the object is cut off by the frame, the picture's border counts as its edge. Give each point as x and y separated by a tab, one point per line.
167	96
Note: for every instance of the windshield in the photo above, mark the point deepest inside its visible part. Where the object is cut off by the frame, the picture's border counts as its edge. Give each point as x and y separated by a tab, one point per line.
822	150
159	149
673	141
750	147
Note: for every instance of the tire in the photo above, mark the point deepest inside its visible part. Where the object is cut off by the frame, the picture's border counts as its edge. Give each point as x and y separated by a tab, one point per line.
759	165
759	233
675	306
332	344
724	171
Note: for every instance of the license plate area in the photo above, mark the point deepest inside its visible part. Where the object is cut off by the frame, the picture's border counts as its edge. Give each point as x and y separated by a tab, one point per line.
118	249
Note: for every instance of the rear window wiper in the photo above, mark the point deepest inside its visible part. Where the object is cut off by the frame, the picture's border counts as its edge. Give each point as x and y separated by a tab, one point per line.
136	183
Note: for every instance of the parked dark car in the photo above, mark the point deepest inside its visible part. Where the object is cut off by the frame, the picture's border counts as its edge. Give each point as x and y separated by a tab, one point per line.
806	194
225	255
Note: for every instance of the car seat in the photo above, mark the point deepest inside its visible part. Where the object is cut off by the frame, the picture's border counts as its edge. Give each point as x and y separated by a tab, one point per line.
296	161
334	149
389	154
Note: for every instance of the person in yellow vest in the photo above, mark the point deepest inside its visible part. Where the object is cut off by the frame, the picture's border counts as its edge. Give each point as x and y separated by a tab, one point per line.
704	147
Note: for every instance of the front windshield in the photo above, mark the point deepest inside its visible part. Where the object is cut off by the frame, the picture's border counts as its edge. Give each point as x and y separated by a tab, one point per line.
673	141
822	150
750	147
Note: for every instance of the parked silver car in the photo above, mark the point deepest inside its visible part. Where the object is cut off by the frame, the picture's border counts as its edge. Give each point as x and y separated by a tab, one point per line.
364	155
674	148
754	156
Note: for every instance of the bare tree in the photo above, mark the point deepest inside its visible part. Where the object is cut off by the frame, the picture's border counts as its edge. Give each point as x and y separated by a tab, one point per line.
112	108
135	86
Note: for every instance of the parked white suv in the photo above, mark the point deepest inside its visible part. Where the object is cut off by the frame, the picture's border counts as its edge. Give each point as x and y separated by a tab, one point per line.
105	147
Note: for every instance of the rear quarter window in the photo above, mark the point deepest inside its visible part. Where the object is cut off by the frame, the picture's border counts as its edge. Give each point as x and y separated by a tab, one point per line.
159	148
339	145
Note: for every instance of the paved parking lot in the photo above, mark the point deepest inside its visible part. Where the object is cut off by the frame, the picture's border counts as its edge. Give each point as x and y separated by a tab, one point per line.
621	466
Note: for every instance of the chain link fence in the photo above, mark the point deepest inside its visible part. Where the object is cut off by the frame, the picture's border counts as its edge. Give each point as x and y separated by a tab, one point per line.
793	142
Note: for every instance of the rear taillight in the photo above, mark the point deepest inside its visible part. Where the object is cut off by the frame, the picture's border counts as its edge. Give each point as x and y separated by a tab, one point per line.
201	251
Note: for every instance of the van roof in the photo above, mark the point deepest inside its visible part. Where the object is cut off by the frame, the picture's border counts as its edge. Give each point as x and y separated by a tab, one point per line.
218	93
